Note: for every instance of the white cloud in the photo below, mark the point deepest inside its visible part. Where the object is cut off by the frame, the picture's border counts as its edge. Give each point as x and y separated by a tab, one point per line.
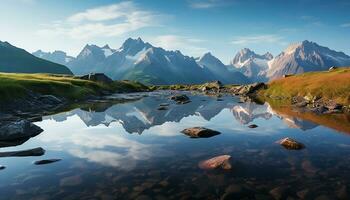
204	4
258	39
189	46
346	25
105	21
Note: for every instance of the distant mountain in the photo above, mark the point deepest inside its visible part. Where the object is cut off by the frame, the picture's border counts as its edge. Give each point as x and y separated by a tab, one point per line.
139	60
16	60
59	57
305	56
252	65
217	68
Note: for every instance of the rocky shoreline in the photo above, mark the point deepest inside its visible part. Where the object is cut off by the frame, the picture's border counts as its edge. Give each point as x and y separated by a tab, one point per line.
250	92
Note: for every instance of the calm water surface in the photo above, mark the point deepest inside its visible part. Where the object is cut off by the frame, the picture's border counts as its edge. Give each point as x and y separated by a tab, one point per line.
134	151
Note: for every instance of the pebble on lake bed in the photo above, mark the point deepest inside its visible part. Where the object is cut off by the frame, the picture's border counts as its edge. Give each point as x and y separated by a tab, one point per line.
216	162
290	144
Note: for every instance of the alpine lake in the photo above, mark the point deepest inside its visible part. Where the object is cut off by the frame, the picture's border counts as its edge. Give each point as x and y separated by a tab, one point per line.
134	150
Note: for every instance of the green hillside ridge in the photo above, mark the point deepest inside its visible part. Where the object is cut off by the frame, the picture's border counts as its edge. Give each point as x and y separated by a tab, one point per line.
16	60
16	85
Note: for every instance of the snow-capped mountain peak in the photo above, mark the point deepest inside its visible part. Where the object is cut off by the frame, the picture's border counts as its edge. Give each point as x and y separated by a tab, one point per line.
59	57
252	65
304	57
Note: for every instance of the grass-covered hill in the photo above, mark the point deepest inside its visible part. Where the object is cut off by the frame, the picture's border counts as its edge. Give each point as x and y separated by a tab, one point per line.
16	60
328	85
15	85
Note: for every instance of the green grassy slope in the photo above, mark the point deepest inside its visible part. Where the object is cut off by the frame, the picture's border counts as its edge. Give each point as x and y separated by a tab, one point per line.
14	85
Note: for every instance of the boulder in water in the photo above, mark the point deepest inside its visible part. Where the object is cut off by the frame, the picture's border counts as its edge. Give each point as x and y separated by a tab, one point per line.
216	162
200	132
291	144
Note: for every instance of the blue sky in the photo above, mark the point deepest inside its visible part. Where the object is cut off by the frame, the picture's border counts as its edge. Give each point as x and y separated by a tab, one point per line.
194	27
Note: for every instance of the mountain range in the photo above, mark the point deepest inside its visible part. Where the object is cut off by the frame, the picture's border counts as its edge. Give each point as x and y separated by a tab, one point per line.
13	59
140	61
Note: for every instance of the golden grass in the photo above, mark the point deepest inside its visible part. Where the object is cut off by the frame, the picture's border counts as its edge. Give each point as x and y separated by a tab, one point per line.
333	85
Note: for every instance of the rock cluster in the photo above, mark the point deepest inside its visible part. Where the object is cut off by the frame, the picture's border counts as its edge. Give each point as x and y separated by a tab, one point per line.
317	105
214	86
248	90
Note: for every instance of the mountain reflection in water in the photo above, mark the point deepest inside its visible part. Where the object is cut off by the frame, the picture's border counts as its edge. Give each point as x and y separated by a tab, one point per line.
141	115
131	150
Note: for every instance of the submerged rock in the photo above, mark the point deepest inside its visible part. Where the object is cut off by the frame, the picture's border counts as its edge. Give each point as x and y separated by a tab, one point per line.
180	98
216	162
43	162
30	152
2	167
291	144
253	126
200	132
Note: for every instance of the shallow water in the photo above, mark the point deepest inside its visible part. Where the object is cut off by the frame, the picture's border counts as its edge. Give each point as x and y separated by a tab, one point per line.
134	151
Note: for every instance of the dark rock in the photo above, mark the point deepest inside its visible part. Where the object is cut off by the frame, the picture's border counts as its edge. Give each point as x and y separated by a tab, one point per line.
164	104
180	98
199	132
18	130
287	75
291	144
99	77
319	110
248	89
253	126
31	152
162	108
332	68
2	167
219	99
12	143
216	162
43	162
